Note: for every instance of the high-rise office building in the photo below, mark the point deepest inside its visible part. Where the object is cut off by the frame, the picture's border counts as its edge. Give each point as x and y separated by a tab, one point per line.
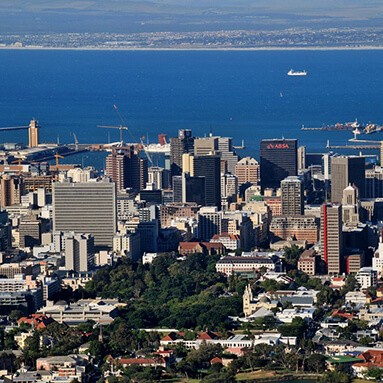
86	208
79	252
350	205
347	170
116	169
248	171
11	190
278	161
180	145
210	168
29	232
193	189
209	222
126	168
33	133
302	158
156	176
292	196
225	148
331	241
229	185
374	182
177	188
204	146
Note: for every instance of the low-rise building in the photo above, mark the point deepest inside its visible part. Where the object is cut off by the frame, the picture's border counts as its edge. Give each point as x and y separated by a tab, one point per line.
82	311
367	277
247	264
231	242
308	262
186	248
296	226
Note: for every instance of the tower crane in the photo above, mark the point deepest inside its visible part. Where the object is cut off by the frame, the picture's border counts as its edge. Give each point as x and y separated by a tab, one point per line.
139	144
18	161
121	128
57	156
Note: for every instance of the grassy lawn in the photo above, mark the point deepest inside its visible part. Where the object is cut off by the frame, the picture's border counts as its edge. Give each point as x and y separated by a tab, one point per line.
362	381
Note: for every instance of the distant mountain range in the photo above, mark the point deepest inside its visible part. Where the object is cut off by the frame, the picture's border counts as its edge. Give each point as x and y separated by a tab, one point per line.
125	16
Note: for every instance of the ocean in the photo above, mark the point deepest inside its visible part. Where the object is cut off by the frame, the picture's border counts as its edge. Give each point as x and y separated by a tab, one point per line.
229	93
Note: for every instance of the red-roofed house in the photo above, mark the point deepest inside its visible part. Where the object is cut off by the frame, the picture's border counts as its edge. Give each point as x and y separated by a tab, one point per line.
207	335
145	362
343	315
239	351
216	360
337	282
37	320
370	359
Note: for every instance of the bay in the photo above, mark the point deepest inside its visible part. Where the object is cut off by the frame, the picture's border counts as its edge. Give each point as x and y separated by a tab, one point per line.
234	93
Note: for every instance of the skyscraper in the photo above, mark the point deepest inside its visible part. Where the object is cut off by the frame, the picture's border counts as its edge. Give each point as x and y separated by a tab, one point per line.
156	176
247	170
11	190
79	252
127	169
331	241
205	145
116	169
278	161
347	170
88	207
210	168
193	189
225	148
209	222
292	196
302	157
180	145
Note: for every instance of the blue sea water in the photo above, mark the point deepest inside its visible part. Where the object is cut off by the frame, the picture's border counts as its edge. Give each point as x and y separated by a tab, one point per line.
235	93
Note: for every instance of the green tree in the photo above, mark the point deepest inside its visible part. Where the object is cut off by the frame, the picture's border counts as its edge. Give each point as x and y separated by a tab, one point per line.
335	377
375	373
292	255
366	341
15	315
317	363
297	328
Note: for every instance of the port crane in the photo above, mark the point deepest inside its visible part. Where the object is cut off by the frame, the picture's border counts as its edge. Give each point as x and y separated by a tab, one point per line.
75	142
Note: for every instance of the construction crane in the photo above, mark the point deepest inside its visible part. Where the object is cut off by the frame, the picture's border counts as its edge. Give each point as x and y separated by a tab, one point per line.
121	128
57	156
18	161
124	127
146	152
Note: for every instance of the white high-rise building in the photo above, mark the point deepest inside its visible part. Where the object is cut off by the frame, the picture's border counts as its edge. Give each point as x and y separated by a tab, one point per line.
155	176
377	259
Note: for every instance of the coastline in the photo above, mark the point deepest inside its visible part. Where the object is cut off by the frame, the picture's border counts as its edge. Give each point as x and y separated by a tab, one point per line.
210	49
